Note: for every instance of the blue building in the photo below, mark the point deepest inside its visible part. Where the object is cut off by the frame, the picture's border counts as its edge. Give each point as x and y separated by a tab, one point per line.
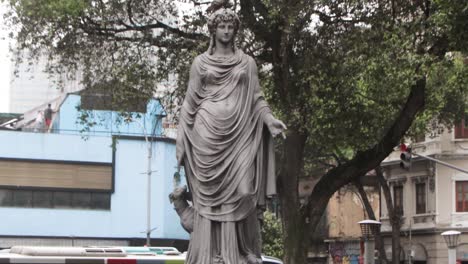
87	185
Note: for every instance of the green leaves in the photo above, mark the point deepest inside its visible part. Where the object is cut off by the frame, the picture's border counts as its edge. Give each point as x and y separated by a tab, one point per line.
450	20
349	76
272	236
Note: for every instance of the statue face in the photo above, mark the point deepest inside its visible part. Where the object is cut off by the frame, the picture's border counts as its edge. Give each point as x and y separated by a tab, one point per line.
225	32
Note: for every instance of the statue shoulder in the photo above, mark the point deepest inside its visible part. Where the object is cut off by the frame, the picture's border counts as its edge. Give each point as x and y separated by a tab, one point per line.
197	62
251	61
201	59
197	59
247	57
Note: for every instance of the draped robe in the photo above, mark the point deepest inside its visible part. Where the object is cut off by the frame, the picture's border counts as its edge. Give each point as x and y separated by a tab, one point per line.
228	157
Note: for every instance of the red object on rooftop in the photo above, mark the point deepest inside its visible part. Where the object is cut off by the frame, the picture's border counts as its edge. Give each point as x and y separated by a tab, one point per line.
403	147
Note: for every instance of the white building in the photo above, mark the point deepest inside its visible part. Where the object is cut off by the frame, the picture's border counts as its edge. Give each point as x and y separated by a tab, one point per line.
432	198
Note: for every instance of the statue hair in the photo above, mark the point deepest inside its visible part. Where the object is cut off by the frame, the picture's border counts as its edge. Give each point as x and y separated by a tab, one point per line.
222	15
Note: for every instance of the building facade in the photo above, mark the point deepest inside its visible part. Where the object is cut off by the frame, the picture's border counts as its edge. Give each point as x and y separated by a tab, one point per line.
345	209
77	186
431	197
337	240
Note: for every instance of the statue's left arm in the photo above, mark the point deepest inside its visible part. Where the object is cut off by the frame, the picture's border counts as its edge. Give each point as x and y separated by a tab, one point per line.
275	126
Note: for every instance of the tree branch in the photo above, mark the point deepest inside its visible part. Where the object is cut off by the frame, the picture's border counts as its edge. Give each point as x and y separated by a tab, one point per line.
261	9
259	29
371	215
94	26
329	19
195	3
159	42
367	160
386	191
129	13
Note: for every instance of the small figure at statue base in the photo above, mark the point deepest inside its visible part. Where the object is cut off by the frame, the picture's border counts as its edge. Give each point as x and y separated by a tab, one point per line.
180	197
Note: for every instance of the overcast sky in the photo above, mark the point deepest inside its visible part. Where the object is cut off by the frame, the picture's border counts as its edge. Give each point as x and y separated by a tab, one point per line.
4	65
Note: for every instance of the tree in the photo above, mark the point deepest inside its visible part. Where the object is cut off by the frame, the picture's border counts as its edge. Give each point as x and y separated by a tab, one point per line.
371	215
272	233
350	78
395	216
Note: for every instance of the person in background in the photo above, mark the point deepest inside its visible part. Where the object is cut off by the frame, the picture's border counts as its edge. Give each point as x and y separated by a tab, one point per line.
48	116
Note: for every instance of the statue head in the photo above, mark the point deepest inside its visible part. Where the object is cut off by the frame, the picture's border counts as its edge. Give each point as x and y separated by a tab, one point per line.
222	15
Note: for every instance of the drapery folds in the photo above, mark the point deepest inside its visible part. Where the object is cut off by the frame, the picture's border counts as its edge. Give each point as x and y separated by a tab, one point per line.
228	156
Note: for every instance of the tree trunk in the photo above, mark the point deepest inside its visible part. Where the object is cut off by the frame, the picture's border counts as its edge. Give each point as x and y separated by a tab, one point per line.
371	215
296	230
395	241
394	217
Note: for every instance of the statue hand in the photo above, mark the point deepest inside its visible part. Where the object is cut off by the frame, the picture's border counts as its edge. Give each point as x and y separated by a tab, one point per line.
276	127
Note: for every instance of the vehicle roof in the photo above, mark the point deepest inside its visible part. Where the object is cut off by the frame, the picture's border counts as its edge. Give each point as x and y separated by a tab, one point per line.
102	255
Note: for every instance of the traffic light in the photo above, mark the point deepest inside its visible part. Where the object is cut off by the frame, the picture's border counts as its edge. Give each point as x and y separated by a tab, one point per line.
405	158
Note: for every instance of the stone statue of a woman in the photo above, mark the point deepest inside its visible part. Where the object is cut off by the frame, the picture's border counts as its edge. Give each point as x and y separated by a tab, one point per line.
225	144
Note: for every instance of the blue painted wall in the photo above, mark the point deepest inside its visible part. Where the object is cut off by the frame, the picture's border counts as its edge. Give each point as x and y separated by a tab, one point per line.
51	146
127	216
107	122
130	192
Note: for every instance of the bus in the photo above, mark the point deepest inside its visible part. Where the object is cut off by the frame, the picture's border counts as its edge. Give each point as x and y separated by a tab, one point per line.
99	255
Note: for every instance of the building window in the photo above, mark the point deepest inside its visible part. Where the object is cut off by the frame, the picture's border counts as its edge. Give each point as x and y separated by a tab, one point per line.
398	199
54	199
421	198
461	129
462	196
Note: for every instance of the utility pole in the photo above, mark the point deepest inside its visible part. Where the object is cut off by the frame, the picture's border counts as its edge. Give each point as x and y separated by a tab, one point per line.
441	162
149	147
148	191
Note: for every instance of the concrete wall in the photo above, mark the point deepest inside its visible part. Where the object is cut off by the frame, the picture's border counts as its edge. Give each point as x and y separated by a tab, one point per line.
127	217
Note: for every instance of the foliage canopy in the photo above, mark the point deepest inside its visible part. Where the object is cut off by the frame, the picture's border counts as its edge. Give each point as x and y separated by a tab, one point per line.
350	78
